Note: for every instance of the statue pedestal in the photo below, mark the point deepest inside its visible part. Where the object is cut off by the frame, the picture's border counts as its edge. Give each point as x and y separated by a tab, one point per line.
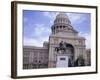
62	61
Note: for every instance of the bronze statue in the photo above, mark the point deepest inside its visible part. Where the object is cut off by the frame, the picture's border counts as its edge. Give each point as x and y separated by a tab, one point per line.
62	46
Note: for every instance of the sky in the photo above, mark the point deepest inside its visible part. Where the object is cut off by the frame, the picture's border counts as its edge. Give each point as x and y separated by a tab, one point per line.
37	26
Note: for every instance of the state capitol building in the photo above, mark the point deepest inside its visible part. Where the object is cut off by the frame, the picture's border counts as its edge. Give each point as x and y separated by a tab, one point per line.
65	48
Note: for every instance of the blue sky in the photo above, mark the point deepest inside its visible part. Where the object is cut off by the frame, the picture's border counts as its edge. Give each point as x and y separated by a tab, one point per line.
37	26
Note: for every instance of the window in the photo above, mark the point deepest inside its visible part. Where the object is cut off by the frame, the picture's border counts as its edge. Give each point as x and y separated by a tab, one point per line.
60	26
63	26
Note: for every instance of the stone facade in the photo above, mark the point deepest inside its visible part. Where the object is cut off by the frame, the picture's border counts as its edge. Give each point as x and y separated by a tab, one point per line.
46	56
88	56
35	57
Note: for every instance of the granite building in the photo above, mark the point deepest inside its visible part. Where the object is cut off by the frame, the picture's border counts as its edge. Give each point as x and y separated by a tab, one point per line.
35	57
65	48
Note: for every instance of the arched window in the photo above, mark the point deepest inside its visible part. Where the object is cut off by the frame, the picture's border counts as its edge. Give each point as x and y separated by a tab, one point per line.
60	26
63	26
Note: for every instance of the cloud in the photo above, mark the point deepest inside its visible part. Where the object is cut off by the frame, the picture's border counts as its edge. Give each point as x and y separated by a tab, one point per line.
87	36
80	22
50	15
76	18
41	30
34	42
38	36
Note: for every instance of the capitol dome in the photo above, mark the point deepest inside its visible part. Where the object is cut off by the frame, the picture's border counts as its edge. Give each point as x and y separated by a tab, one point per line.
61	23
62	18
